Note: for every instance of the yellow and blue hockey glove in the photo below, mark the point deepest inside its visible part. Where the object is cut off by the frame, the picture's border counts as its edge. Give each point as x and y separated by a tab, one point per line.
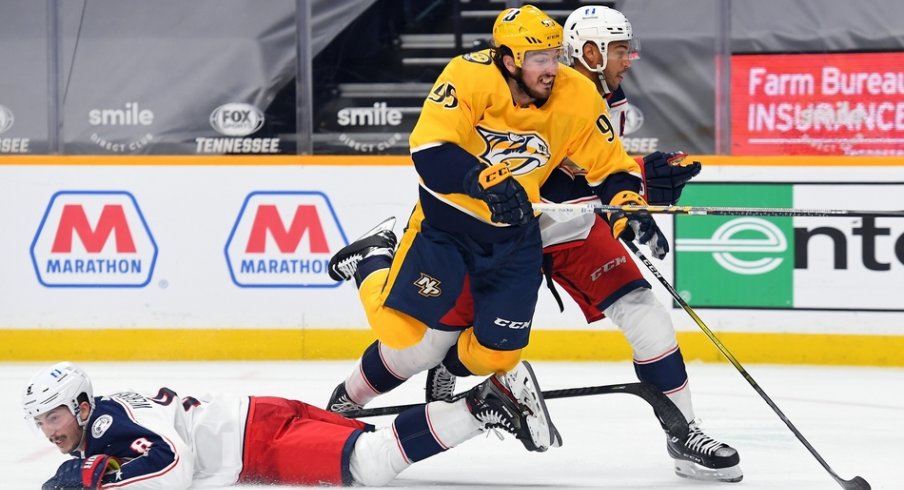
637	225
506	198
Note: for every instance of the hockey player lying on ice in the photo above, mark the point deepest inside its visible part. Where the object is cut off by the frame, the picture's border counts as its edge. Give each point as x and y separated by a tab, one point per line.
136	441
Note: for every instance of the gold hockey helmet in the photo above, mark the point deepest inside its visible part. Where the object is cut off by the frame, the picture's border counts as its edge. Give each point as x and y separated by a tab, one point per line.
526	28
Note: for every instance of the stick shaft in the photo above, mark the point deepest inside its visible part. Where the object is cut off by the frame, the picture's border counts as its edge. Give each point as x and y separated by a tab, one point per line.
855	483
564	393
669	414
584	208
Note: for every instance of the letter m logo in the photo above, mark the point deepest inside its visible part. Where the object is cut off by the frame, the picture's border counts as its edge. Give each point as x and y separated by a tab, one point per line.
112	220
306	220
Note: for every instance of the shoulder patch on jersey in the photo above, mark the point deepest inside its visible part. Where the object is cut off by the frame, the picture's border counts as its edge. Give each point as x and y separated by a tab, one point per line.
522	152
479	57
100	426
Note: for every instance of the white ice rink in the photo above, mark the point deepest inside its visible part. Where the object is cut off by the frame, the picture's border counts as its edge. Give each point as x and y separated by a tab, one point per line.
854	417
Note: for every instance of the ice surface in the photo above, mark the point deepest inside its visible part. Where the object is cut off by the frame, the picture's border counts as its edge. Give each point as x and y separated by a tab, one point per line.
854	417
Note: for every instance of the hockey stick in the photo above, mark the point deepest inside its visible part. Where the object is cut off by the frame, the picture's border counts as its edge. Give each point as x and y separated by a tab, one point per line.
565	212
856	483
671	418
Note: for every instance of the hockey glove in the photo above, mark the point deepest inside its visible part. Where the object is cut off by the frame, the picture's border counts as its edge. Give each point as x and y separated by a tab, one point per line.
666	174
81	473
505	196
637	225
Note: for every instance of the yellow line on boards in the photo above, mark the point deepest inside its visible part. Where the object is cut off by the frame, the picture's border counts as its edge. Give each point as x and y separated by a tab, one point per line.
314	344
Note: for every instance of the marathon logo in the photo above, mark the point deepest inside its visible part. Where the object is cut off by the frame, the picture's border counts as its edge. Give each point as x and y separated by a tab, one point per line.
284	239
10	145
93	239
236	120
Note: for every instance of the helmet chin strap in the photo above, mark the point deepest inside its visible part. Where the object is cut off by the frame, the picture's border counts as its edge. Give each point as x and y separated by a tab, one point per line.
603	83
78	417
600	73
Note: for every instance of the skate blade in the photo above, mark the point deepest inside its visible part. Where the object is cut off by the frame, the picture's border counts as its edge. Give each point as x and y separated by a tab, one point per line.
543	432
694	471
386	224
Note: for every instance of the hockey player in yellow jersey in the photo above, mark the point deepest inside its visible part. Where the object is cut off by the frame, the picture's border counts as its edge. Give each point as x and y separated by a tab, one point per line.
493	127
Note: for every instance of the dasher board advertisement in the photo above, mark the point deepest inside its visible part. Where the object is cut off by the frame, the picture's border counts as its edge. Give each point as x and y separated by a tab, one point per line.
832	263
817	104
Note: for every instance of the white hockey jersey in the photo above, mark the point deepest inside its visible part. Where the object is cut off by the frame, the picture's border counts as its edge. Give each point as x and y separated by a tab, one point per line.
568	185
166	442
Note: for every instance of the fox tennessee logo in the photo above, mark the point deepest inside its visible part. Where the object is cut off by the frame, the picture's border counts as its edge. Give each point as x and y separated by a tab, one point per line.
429	286
284	239
522	152
93	239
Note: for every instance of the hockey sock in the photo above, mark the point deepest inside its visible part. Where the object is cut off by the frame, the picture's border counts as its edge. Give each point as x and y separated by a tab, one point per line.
371	264
454	365
425	431
371	378
667	372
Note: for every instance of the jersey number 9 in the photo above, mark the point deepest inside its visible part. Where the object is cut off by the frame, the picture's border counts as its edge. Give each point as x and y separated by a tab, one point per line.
605	127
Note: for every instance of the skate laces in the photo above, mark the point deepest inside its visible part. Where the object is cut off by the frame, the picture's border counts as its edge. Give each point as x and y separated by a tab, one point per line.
443	384
495	419
348	266
344	404
702	443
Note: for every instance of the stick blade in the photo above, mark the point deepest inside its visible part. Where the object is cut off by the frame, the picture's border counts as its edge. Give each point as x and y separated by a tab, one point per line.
855	483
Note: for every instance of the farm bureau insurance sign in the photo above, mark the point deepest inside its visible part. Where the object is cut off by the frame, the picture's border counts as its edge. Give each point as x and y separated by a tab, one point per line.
818	104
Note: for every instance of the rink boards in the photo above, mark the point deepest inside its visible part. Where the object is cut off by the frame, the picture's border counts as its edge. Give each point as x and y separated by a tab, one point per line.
146	257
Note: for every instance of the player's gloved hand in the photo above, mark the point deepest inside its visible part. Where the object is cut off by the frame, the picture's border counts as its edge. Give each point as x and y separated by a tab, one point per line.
67	477
95	467
637	225
81	473
666	174
505	196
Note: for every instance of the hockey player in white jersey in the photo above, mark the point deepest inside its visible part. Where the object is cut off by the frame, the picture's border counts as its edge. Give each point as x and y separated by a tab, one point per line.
135	441
600	44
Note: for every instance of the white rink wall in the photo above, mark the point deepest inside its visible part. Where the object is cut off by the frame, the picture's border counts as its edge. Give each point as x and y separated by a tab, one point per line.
193	225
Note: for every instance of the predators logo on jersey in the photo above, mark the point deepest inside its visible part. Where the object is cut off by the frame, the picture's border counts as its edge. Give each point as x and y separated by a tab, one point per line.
522	152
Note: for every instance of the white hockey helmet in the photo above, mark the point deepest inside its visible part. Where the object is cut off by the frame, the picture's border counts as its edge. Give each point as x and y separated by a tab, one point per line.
600	25
63	383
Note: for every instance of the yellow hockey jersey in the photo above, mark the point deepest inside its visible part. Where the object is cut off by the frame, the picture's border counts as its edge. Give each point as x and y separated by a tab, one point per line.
471	106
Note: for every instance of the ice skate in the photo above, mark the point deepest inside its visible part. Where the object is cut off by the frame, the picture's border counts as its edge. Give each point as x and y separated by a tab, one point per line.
440	384
340	402
514	403
701	457
378	241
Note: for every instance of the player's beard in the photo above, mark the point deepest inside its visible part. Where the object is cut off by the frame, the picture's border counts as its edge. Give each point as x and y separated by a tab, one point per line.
539	99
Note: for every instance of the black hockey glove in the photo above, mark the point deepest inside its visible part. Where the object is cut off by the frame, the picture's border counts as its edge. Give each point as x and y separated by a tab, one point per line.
666	174
637	225
496	186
